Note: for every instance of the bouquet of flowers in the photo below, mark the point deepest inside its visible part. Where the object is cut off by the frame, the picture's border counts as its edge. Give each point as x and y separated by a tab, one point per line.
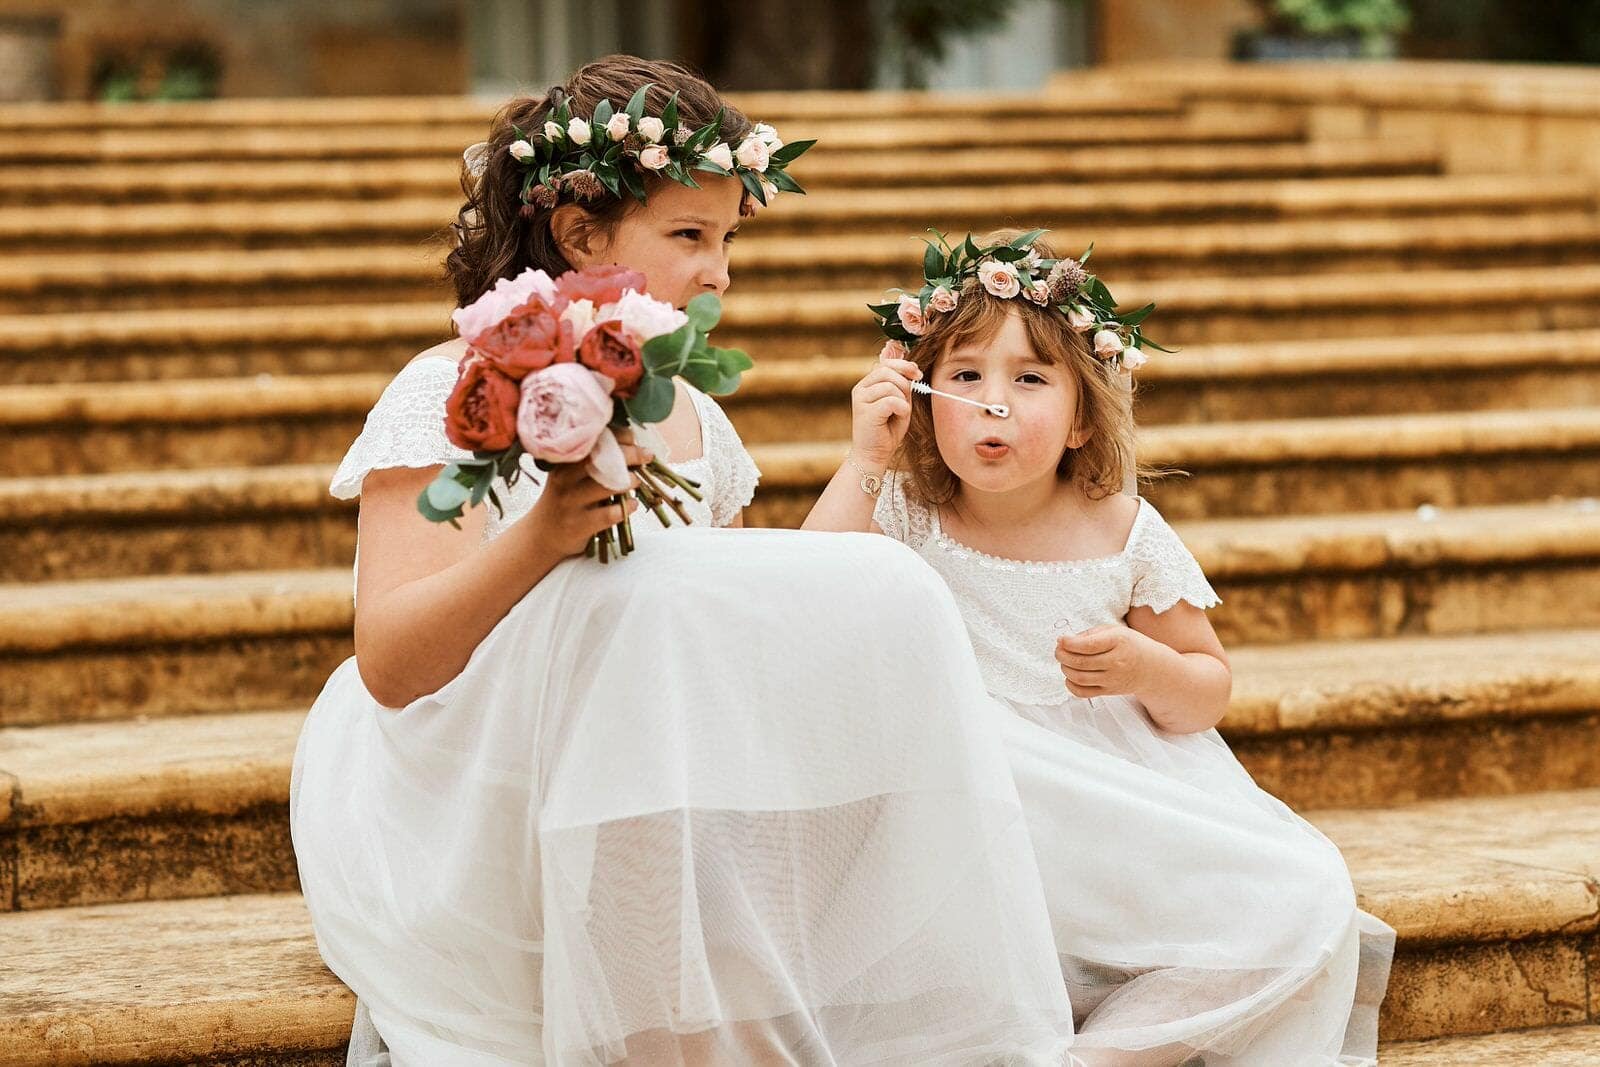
554	367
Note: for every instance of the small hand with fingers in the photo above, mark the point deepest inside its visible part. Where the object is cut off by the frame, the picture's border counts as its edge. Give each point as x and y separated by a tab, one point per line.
880	411
1103	660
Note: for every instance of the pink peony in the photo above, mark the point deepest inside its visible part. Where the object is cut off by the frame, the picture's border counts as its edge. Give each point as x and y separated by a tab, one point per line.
611	351
563	412
608	465
999	279
644	316
944	299
910	314
893	349
507	295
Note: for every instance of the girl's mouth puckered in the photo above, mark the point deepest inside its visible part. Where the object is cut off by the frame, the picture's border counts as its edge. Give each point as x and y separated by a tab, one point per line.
992	448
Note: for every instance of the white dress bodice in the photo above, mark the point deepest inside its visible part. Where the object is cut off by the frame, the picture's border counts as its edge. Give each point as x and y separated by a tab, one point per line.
406	429
1015	609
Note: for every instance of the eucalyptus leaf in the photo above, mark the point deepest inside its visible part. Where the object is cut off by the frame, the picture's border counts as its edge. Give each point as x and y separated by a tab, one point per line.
664	355
653	401
447	494
704	312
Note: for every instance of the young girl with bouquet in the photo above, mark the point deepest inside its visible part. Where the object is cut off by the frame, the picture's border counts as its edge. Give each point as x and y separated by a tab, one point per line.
675	809
1198	920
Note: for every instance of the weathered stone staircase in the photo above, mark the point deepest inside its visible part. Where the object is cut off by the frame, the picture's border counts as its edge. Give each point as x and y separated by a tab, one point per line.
1388	396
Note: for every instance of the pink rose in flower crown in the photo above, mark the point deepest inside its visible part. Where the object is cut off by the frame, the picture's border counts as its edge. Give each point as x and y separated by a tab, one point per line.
507	295
654	157
531	338
1080	318
480	414
999	279
603	285
910	315
610	349
944	299
893	349
564	410
1107	344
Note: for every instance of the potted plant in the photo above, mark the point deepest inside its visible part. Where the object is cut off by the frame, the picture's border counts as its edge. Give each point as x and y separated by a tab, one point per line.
1324	29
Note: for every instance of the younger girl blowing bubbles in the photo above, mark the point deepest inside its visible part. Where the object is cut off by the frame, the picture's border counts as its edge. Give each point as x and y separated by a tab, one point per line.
1197	919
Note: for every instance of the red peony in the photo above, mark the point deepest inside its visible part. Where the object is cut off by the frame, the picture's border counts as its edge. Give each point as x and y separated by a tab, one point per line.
530	338
481	413
603	285
609	349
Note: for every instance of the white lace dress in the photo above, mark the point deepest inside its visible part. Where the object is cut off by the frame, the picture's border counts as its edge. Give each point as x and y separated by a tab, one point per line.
1191	909
737	799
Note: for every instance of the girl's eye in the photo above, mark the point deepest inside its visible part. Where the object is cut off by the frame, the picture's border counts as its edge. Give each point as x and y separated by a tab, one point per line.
728	240
693	235
965	376
1031	379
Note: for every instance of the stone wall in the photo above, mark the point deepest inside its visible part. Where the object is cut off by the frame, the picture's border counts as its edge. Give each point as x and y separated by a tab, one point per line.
278	49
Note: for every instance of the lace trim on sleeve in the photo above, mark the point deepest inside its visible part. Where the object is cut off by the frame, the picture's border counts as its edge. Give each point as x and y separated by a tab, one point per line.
733	473
899	515
405	428
1164	569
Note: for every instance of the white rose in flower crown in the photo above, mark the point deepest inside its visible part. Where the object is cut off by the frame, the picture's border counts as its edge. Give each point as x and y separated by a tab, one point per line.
1107	344
1133	358
1031	260
579	131
617	126
999	279
721	155
651	129
753	154
768	136
644	316
910	315
654	157
1080	318
521	150
1039	294
552	131
944	299
768	188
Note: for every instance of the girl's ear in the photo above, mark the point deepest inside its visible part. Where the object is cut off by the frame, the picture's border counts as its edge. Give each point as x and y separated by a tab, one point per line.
573	231
1079	437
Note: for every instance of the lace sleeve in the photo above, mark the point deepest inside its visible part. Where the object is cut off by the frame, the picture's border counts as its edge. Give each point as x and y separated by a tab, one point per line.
405	428
898	514
733	473
1164	570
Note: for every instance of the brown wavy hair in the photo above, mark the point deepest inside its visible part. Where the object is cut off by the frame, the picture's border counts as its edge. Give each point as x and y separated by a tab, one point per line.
494	238
1105	407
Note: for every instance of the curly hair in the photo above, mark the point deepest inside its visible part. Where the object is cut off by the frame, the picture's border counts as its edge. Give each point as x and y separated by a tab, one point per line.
1105	407
495	236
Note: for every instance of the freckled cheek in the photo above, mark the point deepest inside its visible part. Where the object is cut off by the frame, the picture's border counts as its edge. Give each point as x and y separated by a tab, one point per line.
1039	431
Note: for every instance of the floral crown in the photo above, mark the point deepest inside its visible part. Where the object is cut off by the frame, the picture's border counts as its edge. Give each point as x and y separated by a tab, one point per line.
1015	269
612	151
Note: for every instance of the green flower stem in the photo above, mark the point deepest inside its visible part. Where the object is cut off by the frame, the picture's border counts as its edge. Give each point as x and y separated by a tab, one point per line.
646	476
688	485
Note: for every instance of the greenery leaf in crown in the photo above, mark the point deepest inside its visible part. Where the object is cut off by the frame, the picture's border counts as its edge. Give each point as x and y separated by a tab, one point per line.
1014	269
613	151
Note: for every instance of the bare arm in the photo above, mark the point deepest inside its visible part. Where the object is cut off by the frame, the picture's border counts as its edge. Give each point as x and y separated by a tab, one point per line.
427	594
1172	662
880	412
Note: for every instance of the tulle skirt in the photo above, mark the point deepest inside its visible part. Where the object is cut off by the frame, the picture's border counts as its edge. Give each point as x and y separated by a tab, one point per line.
738	799
1193	912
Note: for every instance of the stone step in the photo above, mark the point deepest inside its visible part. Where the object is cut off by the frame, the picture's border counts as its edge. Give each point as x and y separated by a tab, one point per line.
387	111
196	805
894	212
91	281
173	644
112	147
214	342
1558	1046
222	981
1494	902
383	179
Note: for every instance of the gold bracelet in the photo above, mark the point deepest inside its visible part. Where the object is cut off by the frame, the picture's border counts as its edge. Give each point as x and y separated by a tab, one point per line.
871	484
